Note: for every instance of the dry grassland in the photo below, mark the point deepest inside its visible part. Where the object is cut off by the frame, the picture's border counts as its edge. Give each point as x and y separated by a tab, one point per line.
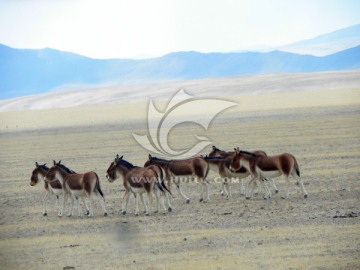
321	128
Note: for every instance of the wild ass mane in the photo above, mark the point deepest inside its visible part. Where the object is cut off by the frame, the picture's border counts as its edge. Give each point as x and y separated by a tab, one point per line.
127	164
247	153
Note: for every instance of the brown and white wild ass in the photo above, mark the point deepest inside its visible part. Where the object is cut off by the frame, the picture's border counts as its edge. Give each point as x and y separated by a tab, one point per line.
51	188
177	170
77	185
267	167
222	167
138	180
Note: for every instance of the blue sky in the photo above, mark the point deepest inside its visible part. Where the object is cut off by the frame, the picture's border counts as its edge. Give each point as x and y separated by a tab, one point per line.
145	28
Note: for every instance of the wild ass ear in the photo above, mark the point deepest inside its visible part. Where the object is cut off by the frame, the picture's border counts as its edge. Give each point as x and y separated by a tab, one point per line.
214	147
121	157
37	165
150	157
54	162
236	150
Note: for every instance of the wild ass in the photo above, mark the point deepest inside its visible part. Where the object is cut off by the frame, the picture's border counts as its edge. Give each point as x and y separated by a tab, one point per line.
216	152
77	185
51	188
267	167
176	170
138	181
222	167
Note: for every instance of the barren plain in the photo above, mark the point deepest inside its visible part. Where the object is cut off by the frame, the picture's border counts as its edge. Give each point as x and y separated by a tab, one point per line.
317	123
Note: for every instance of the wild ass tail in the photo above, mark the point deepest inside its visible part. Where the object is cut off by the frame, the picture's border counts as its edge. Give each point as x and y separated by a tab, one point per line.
296	166
162	185
97	185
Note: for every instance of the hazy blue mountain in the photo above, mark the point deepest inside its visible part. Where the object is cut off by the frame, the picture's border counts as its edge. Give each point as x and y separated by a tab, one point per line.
328	43
26	72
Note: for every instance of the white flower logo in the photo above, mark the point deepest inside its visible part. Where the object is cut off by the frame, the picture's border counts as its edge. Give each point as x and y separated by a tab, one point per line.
181	108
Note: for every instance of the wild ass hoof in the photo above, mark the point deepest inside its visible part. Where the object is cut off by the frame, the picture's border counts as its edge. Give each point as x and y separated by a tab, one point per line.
201	199
187	200
123	213
45	214
305	196
147	214
169	209
248	198
105	214
276	191
87	212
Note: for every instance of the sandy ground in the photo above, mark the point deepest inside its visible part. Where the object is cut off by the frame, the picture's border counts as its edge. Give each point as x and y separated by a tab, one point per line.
319	126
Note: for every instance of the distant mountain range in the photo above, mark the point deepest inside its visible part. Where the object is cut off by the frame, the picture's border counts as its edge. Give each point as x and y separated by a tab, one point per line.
327	44
28	71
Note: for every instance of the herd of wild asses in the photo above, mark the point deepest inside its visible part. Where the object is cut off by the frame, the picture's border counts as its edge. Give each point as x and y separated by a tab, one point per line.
157	175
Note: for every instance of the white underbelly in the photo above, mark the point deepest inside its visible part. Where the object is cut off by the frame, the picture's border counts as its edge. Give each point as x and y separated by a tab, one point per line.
56	191
78	193
236	175
270	174
138	190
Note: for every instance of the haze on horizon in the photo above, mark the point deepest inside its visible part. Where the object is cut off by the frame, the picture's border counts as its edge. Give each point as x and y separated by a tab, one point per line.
148	28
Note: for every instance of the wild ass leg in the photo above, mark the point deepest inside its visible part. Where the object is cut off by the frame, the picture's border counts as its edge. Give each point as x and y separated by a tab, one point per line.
86	206
160	199
177	184
71	209
136	205
222	188
228	187
242	187
251	182
150	203
45	201
205	191
91	212
168	197
287	186
299	182
142	201
226	184
61	209
266	188
125	202
78	206
102	203
274	185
